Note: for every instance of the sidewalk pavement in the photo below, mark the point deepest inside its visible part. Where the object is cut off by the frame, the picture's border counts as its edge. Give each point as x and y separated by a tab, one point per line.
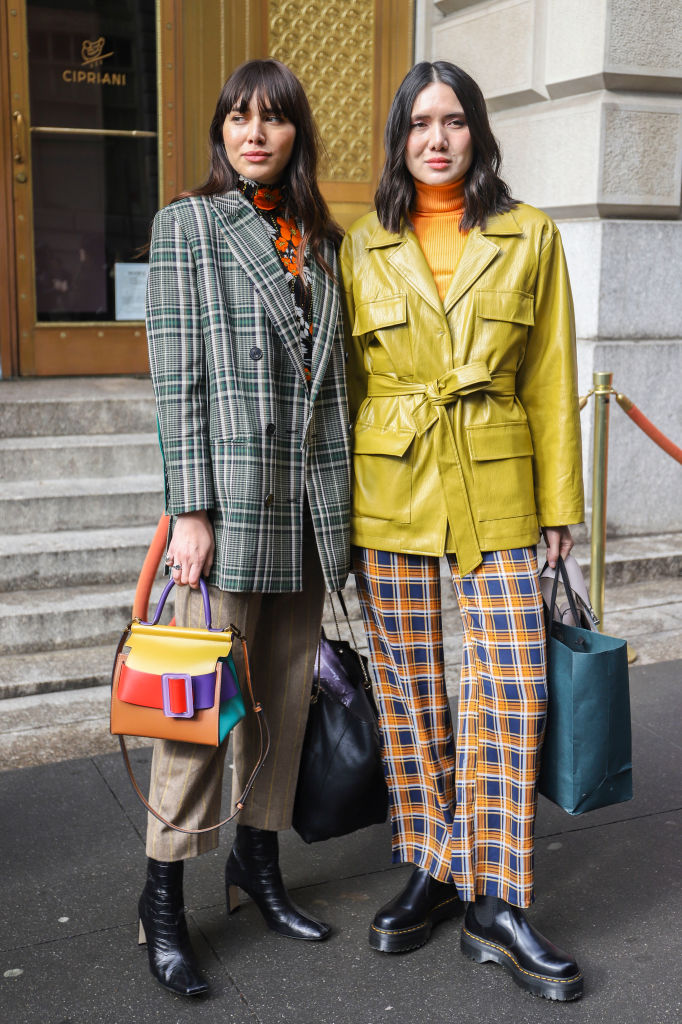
72	852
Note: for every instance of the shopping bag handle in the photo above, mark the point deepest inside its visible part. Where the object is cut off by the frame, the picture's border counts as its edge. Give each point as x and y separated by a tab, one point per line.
561	570
162	600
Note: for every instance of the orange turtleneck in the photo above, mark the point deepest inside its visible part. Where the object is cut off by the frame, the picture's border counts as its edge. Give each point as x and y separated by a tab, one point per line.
436	214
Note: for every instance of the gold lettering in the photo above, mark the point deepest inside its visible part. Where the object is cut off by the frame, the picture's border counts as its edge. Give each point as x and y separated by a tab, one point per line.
74	77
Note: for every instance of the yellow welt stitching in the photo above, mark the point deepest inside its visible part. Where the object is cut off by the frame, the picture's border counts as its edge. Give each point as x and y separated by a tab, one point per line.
531	974
413	927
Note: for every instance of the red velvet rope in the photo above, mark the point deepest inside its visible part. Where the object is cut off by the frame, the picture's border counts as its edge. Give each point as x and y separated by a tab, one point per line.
648	427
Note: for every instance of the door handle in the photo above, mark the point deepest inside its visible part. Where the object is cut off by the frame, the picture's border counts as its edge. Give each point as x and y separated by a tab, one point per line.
19	145
19	137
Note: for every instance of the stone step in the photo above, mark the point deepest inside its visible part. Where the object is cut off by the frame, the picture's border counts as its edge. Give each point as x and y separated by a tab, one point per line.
628	559
73	405
97	455
28	506
73	558
70	617
47	727
631	559
51	671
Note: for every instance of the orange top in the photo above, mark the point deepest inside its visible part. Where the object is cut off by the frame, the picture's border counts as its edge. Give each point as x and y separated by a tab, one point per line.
436	214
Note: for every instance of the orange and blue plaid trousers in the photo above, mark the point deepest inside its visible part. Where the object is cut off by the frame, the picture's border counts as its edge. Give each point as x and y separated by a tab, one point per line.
467	813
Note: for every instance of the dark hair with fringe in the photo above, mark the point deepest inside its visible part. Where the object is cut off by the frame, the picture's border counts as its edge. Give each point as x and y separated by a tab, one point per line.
277	90
484	191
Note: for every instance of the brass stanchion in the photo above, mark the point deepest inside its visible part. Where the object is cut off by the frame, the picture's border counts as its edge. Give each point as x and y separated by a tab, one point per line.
600	459
603	388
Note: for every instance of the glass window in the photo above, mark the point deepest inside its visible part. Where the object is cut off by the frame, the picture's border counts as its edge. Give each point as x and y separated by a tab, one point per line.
92	76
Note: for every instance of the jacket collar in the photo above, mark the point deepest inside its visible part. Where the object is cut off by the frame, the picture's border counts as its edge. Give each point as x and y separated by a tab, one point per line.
404	254
502	224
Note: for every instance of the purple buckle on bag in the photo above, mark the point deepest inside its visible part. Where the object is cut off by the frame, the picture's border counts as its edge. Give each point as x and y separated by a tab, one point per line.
189	697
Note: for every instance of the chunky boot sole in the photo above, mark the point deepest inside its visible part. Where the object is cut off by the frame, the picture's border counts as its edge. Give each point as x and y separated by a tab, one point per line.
401	940
483	951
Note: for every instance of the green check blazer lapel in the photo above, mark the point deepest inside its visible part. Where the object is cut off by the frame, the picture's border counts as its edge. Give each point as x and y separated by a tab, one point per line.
325	318
256	254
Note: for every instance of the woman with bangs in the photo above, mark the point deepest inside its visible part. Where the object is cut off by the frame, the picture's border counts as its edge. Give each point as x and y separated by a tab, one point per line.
247	361
466	443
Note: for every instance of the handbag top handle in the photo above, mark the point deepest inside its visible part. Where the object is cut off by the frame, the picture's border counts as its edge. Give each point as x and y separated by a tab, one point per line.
561	569
162	600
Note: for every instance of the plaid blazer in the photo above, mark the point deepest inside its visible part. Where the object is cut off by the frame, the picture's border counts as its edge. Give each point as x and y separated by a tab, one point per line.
241	433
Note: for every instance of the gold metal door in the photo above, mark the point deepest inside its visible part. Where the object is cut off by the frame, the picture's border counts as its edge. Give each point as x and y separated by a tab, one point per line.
92	87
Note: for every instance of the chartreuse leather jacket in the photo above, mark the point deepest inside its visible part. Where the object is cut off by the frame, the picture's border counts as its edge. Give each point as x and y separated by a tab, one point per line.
466	433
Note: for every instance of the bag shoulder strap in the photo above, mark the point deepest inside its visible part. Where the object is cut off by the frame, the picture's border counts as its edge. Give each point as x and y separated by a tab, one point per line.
264	740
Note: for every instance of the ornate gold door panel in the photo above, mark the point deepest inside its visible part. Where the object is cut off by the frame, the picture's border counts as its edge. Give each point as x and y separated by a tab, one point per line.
350	56
88	132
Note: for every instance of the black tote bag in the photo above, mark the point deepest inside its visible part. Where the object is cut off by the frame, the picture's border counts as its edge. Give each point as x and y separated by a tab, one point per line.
341	785
587	754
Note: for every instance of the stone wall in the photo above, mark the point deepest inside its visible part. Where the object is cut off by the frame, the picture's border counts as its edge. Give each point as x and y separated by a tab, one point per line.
585	98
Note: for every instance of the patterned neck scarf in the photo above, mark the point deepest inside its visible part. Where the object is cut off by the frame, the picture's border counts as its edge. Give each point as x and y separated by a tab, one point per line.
270	202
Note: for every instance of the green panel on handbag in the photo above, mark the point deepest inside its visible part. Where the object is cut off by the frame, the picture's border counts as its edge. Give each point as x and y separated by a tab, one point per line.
587	754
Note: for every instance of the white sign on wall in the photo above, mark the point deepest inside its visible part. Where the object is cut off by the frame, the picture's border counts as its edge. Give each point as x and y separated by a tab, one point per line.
130	285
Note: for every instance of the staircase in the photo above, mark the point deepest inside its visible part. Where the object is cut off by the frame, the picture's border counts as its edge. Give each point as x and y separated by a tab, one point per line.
80	497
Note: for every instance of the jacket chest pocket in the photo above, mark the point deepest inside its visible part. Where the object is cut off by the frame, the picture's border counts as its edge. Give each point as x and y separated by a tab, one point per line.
502	462
502	319
382	473
384	322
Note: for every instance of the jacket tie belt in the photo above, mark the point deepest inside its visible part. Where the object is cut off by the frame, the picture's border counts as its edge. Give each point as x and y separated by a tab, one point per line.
431	410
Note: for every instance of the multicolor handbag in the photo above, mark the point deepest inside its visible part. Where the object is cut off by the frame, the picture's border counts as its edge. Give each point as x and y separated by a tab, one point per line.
176	683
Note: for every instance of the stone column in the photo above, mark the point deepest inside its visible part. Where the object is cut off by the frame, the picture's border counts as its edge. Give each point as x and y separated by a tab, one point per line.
585	100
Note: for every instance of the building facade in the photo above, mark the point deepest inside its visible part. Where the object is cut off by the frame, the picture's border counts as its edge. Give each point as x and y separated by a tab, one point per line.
586	100
106	105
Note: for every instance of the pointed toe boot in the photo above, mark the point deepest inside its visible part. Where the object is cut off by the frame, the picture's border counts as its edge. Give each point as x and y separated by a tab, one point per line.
496	931
253	865
407	920
164	929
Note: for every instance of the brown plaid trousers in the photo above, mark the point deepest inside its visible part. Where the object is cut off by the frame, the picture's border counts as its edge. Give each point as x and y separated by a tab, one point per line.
465	814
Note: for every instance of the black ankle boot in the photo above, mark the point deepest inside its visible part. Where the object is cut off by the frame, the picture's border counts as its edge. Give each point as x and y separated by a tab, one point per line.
494	930
163	927
253	866
406	922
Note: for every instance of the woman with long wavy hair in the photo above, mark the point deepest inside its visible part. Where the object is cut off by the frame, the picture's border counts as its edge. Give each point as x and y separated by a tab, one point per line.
246	352
462	385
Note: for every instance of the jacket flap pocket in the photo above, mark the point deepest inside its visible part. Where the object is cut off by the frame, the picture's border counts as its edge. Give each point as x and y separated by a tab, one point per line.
371	316
499	441
373	441
514	307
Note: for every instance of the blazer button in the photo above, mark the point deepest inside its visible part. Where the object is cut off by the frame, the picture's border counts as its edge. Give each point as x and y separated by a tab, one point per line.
256	353
269	500
270	429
